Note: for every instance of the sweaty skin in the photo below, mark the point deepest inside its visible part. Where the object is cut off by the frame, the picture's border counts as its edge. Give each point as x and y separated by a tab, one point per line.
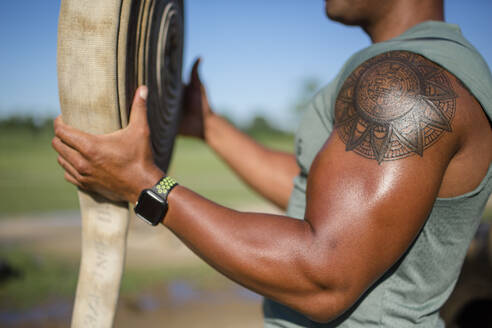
374	172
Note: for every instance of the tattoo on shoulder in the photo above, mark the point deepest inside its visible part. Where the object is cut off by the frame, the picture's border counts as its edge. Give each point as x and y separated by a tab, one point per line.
394	105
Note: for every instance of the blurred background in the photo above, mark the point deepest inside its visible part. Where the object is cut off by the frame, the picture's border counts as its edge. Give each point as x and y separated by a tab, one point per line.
262	61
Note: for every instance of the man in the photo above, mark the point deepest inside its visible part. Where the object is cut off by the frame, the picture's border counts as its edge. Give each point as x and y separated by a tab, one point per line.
391	175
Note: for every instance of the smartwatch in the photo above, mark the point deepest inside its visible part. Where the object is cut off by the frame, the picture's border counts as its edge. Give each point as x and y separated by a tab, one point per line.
152	204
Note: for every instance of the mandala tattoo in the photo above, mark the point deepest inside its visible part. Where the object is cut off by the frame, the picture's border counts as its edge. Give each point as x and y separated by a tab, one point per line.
394	105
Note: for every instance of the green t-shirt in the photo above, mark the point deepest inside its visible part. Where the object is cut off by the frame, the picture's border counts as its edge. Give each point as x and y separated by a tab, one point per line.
413	291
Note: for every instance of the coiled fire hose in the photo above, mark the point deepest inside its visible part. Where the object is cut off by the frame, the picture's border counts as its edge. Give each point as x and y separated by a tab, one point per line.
106	49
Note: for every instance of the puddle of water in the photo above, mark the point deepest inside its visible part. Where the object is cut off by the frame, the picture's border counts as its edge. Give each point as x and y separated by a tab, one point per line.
246	294
179	293
57	311
147	302
182	292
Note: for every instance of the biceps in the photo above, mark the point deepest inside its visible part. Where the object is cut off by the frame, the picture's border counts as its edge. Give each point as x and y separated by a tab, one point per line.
365	215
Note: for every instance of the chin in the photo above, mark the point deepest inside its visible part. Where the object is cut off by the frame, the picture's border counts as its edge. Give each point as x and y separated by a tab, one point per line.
343	11
334	11
342	19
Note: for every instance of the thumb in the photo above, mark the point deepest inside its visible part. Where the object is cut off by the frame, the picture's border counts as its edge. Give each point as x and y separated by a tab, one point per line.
138	112
195	76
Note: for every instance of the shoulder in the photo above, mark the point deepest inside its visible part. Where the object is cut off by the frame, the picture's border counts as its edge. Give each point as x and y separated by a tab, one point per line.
395	105
400	104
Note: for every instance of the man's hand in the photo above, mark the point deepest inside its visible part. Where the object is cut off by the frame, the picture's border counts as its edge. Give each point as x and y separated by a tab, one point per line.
118	165
195	106
273	171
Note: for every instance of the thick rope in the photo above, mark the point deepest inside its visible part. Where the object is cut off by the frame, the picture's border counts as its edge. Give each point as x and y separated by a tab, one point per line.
105	50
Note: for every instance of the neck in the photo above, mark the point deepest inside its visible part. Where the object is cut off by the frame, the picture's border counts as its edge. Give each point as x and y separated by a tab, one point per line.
402	16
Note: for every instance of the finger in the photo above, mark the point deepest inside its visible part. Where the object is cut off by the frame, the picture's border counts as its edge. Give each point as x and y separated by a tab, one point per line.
78	163
195	76
138	113
58	120
72	180
68	168
76	139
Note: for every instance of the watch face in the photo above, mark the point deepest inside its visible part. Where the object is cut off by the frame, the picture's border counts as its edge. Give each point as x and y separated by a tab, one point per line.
151	207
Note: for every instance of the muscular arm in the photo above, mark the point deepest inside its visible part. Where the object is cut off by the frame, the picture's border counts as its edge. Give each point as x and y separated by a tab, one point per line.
267	171
370	190
353	231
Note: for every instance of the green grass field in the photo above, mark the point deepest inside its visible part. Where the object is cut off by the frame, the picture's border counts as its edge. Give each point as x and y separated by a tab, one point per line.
31	180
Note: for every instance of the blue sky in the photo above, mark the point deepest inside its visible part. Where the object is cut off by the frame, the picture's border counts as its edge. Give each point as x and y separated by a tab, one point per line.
255	53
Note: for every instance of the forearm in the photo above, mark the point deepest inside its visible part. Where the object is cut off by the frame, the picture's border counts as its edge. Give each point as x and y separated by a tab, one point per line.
269	254
269	172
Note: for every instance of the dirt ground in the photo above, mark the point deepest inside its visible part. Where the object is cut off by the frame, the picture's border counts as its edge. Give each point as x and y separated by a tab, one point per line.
177	305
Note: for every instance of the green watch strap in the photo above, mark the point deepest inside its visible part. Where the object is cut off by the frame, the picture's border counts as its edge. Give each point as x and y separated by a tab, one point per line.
164	187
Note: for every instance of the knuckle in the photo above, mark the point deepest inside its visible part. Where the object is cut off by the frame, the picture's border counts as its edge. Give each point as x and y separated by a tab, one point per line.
77	165
54	142
82	167
88	150
89	147
58	130
81	146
